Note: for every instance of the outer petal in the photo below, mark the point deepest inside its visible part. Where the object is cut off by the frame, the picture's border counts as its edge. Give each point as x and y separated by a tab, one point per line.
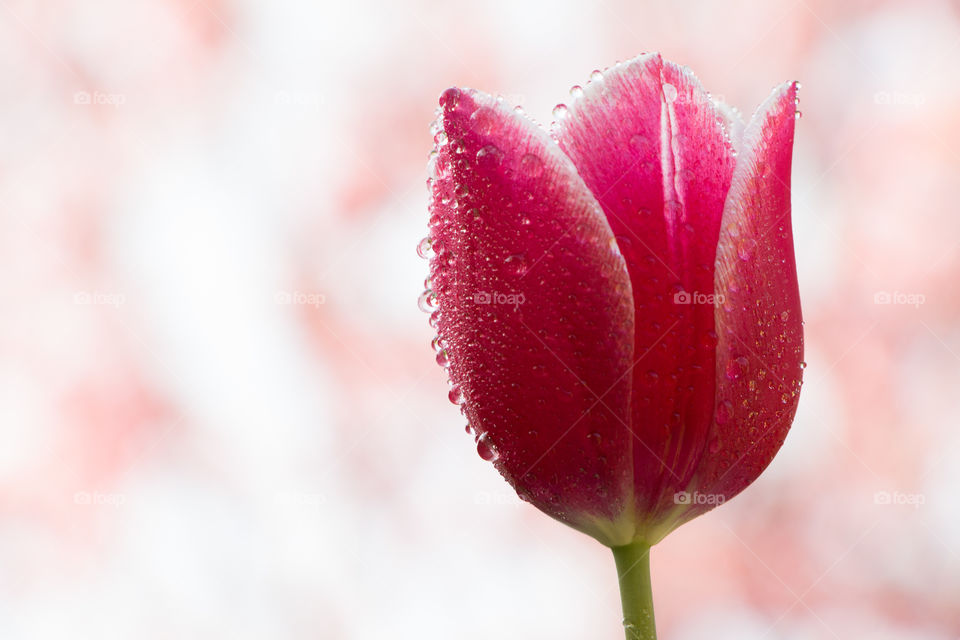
649	143
760	347
535	314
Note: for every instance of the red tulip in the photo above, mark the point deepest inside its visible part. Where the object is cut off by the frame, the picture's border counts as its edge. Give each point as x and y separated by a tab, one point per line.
617	303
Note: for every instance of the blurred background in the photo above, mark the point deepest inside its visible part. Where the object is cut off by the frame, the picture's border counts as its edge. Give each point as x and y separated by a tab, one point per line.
220	416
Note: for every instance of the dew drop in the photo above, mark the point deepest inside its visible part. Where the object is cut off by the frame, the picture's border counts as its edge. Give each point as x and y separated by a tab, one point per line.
489	157
714	446
468	429
424	247
434	319
669	92
450	98
531	165
486	449
576	91
440	138
443	359
803	365
560	111
746	248
784	315
596	76
427	301
517	264
736	367
484	119
724	411
456	395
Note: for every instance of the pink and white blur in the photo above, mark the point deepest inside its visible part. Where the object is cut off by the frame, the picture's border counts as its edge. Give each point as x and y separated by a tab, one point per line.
220	415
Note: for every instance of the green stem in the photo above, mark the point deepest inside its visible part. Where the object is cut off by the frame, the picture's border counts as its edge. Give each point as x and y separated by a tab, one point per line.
633	571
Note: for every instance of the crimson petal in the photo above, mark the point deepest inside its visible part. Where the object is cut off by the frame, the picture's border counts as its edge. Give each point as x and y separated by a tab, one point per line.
534	314
760	327
649	143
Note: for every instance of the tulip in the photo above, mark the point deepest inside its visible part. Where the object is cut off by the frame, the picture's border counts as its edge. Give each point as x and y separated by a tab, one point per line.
616	300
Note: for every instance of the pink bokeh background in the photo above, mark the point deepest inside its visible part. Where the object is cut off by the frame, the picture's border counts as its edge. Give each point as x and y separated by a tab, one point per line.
220	412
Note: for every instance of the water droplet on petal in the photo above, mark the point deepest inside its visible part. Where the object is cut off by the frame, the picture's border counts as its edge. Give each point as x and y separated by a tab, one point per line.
596	76
440	138
724	411
736	367
517	264
560	111
803	365
427	301
434	319
443	359
424	247
714	446
746	248
669	92
484	119
456	394
486	449
489	157
450	98
531	165
576	91
784	315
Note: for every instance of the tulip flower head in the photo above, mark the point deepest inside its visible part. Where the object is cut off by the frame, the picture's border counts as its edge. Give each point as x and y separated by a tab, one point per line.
616	299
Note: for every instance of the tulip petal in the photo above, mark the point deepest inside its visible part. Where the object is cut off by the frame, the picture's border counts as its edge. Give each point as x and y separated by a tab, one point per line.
760	345
534	314
650	144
